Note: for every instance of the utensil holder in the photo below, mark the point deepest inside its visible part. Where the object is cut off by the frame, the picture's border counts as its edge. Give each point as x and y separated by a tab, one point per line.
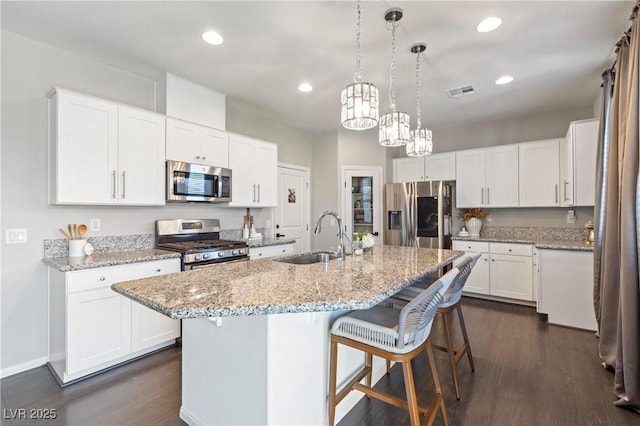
76	248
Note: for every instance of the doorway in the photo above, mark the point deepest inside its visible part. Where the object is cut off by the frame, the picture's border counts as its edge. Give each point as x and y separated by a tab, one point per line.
292	212
362	200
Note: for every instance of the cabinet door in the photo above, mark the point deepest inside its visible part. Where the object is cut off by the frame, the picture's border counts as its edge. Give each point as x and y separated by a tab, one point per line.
99	327
241	162
84	137
148	327
539	173
501	176
214	147
567	171
141	157
470	172
183	142
440	166
265	174
585	150
478	281
511	276
408	169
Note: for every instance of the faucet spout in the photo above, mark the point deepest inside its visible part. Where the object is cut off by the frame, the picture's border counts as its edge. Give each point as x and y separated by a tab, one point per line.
318	229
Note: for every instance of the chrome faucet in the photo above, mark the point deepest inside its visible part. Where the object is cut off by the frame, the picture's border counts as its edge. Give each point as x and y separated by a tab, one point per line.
340	249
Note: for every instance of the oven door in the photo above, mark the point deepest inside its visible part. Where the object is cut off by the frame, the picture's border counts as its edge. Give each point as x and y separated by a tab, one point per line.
201	265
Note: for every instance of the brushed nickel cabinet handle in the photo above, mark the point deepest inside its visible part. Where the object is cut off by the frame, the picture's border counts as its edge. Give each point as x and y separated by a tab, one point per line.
556	193
158	269
565	190
102	278
254	192
481	195
124	185
113	181
488	202
258	192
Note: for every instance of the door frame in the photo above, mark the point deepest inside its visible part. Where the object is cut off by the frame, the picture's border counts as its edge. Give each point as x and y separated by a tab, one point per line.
345	194
306	203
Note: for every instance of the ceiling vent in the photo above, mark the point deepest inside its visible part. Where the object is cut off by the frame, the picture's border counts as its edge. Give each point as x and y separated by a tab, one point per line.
461	91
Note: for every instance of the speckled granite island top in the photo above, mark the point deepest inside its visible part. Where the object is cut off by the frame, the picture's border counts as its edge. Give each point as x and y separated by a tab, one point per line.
266	242
549	243
99	260
267	286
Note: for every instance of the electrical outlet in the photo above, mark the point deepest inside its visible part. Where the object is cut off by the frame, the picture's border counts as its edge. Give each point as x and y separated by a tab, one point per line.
16	236
489	218
94	224
571	216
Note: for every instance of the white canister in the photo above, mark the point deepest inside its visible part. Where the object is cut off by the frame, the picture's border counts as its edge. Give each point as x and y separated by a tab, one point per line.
76	248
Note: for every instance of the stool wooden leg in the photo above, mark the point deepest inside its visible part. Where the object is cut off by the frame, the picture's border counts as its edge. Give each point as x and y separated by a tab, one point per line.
368	364
412	398
452	353
466	337
332	382
388	366
436	381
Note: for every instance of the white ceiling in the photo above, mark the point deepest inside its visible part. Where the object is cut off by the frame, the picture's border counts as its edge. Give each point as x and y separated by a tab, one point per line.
555	50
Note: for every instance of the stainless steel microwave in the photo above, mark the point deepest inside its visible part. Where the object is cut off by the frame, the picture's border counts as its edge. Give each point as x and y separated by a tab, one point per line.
197	183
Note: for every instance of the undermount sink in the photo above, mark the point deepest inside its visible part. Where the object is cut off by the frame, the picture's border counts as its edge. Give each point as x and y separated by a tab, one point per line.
308	258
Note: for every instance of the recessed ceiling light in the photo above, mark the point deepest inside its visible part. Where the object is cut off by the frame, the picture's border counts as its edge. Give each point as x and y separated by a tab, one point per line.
505	79
305	87
489	24
212	37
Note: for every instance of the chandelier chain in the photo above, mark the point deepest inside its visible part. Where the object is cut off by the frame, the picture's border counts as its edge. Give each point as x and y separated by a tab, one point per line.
357	78
392	89
418	88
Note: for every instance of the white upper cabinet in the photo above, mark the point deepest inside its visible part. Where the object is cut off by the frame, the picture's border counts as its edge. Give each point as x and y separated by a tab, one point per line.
193	143
254	165
432	167
487	177
104	153
578	163
539	172
470	171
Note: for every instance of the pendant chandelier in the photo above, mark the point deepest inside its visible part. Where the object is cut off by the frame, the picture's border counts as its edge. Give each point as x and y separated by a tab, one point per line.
395	125
359	100
420	141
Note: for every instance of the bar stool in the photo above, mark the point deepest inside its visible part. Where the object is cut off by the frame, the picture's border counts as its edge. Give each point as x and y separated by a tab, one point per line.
396	335
450	302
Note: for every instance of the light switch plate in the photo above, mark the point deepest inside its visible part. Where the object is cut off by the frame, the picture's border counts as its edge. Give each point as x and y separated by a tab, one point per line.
16	236
94	224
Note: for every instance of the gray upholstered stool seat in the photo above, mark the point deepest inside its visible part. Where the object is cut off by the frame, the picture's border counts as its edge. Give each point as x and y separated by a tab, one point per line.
396	335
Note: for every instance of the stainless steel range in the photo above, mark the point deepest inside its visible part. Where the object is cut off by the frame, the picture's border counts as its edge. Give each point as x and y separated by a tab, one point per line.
199	242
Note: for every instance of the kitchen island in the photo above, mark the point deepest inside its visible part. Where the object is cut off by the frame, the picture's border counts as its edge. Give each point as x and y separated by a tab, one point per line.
242	364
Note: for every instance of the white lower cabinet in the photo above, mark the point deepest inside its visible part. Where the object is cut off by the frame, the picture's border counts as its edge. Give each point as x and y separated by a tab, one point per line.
91	327
270	251
566	288
503	270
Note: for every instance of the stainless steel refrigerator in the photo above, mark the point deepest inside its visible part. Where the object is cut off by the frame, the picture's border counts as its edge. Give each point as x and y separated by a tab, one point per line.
418	214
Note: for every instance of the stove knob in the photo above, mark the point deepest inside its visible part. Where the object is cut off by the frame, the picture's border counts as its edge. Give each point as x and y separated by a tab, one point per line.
221	253
205	256
234	252
198	257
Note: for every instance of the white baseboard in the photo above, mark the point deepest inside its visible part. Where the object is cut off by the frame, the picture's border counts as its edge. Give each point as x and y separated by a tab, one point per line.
188	418
15	369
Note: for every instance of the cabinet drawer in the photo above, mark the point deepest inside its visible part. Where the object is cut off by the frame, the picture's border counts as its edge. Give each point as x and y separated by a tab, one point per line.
474	246
514	249
103	277
270	251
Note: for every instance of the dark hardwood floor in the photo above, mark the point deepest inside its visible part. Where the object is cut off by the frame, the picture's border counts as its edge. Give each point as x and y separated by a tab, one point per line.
527	373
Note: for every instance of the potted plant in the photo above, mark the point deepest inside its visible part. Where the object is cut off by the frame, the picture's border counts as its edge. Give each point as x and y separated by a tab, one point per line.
366	240
473	220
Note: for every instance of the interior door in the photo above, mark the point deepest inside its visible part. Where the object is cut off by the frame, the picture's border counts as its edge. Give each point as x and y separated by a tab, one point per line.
292	212
362	206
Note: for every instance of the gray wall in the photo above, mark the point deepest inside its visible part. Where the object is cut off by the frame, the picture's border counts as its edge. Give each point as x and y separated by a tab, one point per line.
325	186
29	71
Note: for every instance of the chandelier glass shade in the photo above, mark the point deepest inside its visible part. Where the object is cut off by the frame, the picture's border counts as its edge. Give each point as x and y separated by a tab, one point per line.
394	126
359	106
359	100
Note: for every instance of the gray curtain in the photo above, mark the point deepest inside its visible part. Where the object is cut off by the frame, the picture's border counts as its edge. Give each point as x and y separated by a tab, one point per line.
617	252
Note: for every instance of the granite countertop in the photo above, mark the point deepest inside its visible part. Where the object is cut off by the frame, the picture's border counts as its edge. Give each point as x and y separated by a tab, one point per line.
99	260
267	286
270	242
545	242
